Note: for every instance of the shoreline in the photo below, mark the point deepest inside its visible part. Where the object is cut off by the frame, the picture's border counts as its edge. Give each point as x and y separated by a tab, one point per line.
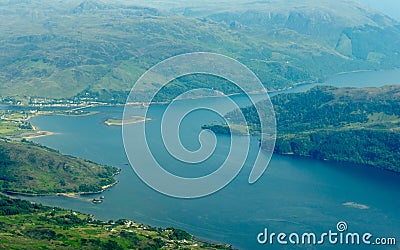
355	71
37	133
67	194
292	154
74	115
144	104
332	161
361	71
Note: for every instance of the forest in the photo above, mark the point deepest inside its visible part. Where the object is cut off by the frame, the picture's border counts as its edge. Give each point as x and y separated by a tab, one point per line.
355	125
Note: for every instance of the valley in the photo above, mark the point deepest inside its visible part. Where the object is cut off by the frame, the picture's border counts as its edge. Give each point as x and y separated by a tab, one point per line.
331	69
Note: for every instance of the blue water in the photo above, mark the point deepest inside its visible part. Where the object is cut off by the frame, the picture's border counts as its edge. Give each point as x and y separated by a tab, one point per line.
294	194
366	79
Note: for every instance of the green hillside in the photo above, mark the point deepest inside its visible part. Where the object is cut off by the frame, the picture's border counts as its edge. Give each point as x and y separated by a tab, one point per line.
359	126
32	226
63	49
29	168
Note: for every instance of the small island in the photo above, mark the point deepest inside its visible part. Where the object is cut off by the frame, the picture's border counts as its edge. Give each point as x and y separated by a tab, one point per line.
131	120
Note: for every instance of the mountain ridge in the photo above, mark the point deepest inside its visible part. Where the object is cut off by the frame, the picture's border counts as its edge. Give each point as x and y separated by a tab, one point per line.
61	50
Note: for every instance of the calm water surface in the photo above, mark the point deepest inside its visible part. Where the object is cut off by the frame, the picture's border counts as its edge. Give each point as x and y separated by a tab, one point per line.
294	194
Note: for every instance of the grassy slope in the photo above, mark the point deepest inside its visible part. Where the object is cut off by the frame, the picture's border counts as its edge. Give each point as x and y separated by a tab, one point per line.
32	169
30	226
60	49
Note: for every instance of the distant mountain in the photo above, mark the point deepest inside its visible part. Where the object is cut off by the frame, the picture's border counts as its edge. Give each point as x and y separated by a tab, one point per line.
347	26
63	49
389	7
88	6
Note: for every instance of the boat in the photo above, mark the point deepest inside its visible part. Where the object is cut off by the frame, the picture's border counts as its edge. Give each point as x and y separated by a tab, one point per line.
95	200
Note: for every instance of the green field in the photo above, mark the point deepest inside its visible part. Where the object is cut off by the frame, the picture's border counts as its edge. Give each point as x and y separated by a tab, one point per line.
14	123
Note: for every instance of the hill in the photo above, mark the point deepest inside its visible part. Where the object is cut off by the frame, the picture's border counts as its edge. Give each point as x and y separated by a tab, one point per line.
29	168
360	126
99	48
32	226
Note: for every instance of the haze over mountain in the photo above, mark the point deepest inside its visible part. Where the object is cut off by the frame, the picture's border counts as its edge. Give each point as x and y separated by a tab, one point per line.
57	49
389	7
